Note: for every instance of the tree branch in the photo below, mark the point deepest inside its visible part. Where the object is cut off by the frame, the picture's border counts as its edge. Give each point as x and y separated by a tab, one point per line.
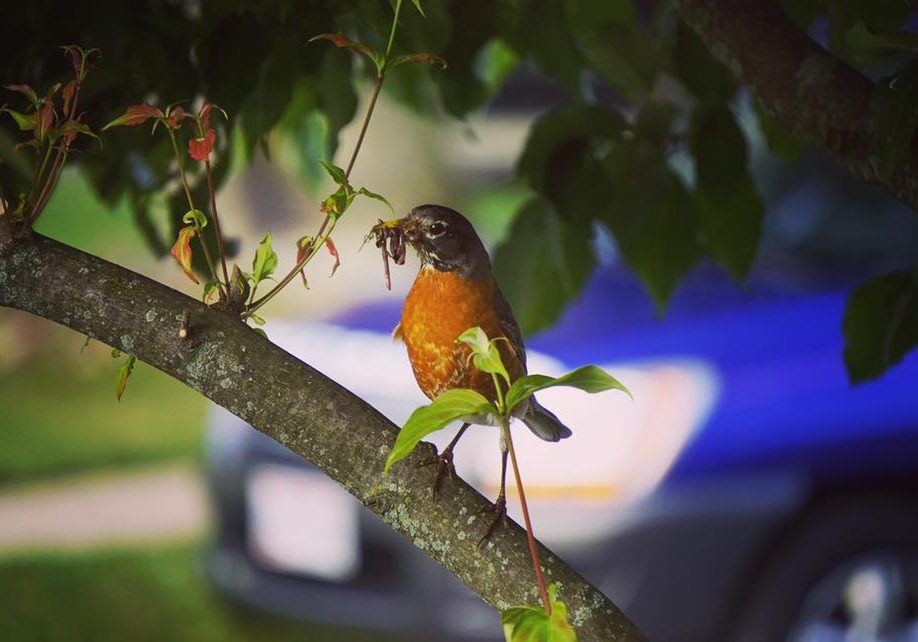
298	407
818	97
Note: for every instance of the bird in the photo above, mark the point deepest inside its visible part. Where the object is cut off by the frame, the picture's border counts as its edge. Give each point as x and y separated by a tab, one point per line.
455	290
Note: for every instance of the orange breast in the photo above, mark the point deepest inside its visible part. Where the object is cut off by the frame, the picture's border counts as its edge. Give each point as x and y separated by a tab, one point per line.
440	307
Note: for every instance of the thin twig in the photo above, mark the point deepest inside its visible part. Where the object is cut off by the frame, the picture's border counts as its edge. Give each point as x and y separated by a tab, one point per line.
322	234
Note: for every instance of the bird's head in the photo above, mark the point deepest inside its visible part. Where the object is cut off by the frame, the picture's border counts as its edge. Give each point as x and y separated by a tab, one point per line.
444	239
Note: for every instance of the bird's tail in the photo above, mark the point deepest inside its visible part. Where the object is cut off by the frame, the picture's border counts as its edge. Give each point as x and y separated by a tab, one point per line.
544	423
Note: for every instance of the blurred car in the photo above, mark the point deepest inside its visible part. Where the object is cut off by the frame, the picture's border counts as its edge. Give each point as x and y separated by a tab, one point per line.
749	492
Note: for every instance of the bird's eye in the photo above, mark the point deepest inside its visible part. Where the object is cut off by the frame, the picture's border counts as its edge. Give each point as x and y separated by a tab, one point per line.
437	228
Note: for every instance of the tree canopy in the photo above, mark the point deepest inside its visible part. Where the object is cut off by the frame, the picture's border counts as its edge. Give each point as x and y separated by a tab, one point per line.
647	144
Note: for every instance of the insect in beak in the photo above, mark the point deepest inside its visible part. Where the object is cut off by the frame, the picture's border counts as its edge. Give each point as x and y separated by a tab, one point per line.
390	238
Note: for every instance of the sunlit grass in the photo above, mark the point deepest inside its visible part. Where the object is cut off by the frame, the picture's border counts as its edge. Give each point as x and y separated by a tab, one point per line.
59	415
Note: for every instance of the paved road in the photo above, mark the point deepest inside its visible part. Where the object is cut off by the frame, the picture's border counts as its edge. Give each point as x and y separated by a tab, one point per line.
105	509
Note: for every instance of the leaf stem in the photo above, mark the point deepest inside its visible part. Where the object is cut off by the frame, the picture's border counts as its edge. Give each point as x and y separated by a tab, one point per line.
59	160
50	182
500	395
533	548
40	170
330	221
213	211
181	167
398	8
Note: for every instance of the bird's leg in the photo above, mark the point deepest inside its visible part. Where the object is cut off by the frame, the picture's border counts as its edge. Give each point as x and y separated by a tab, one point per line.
499	508
444	461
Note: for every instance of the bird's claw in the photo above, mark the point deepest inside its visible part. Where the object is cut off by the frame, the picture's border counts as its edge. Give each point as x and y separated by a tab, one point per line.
445	467
499	514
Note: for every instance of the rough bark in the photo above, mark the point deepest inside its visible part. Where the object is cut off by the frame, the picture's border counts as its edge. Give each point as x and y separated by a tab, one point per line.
818	97
297	406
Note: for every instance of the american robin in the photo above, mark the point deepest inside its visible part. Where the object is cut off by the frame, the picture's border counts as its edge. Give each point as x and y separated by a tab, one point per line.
454	291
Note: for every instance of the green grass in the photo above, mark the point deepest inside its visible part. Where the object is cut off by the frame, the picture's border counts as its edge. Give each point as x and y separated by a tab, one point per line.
117	596
59	415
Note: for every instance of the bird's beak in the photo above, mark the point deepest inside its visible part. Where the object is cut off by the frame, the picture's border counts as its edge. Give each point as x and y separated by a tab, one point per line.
404	224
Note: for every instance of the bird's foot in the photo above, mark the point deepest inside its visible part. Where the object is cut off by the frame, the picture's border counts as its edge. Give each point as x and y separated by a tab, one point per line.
498	512
445	467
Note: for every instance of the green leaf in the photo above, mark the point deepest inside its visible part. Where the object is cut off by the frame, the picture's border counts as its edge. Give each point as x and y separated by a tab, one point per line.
729	208
124	372
261	332
74	127
85	345
654	123
803	12
557	128
342	41
780	141
543	264
339	202
447	407
336	95
25	122
625	57
699	71
485	355
337	174
417	5
256	319
880	325
363	191
894	105
731	225
417	58
533	624
209	289
868	47
265	261
590	379
584	15
653	218
195	217
270	93
538	27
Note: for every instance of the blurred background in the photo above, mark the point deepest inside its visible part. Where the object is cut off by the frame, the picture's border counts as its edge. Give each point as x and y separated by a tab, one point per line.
749	492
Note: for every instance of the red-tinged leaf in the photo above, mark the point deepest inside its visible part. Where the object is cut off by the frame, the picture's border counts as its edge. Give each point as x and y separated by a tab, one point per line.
330	246
81	59
175	117
303	247
44	120
181	251
204	116
76	56
71	128
26	91
342	41
205	112
200	148
67	95
53	89
136	115
418	58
